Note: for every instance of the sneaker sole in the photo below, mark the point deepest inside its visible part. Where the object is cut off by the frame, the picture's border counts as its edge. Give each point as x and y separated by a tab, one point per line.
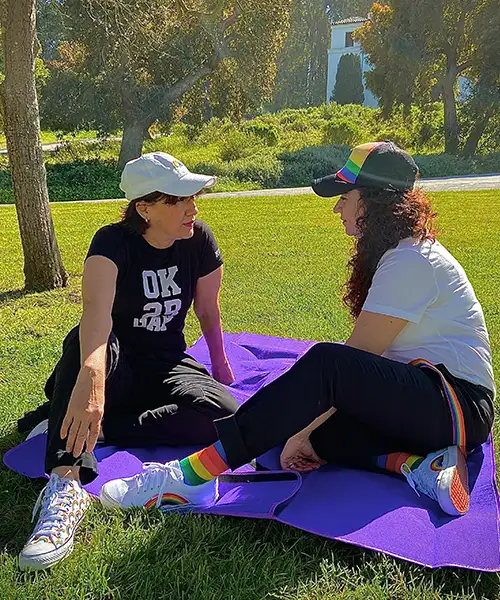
46	560
110	503
50	558
453	487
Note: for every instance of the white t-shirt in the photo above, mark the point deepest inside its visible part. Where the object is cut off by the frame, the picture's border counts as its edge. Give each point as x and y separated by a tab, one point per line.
424	284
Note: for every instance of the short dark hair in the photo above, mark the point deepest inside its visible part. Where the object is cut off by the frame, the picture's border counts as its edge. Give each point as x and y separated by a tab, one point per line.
130	217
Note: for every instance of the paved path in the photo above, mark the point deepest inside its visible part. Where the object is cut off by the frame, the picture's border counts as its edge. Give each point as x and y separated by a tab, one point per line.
438	184
55	146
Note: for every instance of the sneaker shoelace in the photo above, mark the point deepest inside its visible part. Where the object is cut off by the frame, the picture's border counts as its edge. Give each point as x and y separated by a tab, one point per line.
54	507
154	477
420	484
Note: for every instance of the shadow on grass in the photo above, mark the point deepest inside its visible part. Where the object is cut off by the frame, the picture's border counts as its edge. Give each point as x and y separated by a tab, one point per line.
13	295
17	497
211	557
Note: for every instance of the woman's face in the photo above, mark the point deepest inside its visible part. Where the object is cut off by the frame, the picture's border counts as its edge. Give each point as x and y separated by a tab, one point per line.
174	221
350	208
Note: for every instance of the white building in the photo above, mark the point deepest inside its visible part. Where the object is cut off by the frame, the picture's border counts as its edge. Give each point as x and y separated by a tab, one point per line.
342	43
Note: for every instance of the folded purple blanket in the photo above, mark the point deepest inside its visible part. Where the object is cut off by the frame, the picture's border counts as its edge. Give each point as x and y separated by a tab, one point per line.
379	512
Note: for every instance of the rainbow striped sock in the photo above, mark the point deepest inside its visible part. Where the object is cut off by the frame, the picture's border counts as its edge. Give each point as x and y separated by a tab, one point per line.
205	465
393	462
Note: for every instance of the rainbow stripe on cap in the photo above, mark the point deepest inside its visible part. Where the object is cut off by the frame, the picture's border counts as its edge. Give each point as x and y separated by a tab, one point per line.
349	173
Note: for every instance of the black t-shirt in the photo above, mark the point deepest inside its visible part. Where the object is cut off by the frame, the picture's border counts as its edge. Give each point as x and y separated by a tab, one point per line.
155	287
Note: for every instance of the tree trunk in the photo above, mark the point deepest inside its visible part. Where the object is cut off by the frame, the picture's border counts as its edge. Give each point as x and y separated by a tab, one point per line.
43	268
476	132
450	110
134	132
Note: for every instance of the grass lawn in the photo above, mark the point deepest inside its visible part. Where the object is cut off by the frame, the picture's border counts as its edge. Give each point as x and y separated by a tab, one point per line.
285	261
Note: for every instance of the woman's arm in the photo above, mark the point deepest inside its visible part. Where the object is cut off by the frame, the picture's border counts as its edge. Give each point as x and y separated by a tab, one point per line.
83	418
207	310
374	332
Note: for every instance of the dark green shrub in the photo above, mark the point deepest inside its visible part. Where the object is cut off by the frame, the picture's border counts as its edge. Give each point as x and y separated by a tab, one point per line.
263	168
301	167
443	165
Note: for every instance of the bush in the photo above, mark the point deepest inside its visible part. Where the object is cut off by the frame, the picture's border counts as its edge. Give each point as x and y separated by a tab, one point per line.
302	167
237	145
299	125
266	132
264	168
342	131
286	149
448	165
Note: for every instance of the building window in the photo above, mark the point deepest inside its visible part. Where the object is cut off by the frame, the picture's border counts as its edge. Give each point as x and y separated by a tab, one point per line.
349	42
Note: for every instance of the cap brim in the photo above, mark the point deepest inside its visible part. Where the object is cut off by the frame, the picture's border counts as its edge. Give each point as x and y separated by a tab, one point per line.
190	184
331	185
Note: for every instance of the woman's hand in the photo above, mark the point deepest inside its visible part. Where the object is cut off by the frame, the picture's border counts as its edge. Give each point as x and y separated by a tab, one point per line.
222	372
299	455
82	423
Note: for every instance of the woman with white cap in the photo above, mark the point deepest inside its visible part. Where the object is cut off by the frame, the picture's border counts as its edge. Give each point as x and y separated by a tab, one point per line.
124	373
410	392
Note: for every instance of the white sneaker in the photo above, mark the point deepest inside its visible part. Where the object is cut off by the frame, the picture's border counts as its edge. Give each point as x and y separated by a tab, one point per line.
161	486
42	427
443	477
63	505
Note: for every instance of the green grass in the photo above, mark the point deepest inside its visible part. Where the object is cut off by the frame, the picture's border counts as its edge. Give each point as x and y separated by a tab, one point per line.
285	260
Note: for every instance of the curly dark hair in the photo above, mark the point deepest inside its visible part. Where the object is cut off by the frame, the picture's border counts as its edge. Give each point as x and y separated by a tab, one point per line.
131	219
388	218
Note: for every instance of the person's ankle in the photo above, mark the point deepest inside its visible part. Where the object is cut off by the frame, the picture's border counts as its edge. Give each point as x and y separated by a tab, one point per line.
67	472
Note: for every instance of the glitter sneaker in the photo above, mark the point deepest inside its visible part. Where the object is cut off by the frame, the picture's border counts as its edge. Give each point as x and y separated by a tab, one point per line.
161	486
443	477
63	503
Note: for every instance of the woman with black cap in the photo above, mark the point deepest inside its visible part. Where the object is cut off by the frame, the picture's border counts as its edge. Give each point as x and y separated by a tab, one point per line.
411	391
124	370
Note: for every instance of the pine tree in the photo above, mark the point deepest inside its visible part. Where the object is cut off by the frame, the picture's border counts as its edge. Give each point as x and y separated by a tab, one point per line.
349	81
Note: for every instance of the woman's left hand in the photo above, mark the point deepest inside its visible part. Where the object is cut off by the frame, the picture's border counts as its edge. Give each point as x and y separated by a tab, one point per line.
222	372
299	455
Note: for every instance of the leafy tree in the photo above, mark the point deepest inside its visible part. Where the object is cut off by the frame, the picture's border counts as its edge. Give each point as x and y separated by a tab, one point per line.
349	81
129	63
302	63
43	268
420	48
341	9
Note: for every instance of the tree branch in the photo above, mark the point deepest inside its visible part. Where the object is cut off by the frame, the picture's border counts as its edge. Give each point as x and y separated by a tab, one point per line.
464	66
221	51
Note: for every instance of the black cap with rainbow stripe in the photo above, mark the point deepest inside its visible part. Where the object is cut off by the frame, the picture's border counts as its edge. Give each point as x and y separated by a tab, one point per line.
380	165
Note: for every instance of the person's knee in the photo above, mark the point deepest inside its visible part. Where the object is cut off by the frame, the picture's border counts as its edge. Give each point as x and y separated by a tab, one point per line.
212	403
323	350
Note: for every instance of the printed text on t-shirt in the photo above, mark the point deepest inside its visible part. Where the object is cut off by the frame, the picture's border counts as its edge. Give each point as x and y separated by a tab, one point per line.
159	284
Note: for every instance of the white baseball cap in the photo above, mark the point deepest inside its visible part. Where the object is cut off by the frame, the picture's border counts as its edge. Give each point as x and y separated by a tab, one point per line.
160	172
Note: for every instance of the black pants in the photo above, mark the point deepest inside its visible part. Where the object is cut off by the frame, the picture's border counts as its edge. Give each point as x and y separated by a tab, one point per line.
169	400
382	406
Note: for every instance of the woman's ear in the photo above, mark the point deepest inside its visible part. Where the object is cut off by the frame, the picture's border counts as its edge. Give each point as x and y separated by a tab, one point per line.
142	210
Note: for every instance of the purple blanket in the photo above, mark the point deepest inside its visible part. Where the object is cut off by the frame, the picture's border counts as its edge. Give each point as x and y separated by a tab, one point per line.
378	512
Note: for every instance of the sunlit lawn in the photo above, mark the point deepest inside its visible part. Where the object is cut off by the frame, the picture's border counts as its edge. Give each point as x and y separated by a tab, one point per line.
284	264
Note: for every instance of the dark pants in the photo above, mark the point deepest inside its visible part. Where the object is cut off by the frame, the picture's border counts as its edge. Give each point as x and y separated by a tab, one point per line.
172	401
382	406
